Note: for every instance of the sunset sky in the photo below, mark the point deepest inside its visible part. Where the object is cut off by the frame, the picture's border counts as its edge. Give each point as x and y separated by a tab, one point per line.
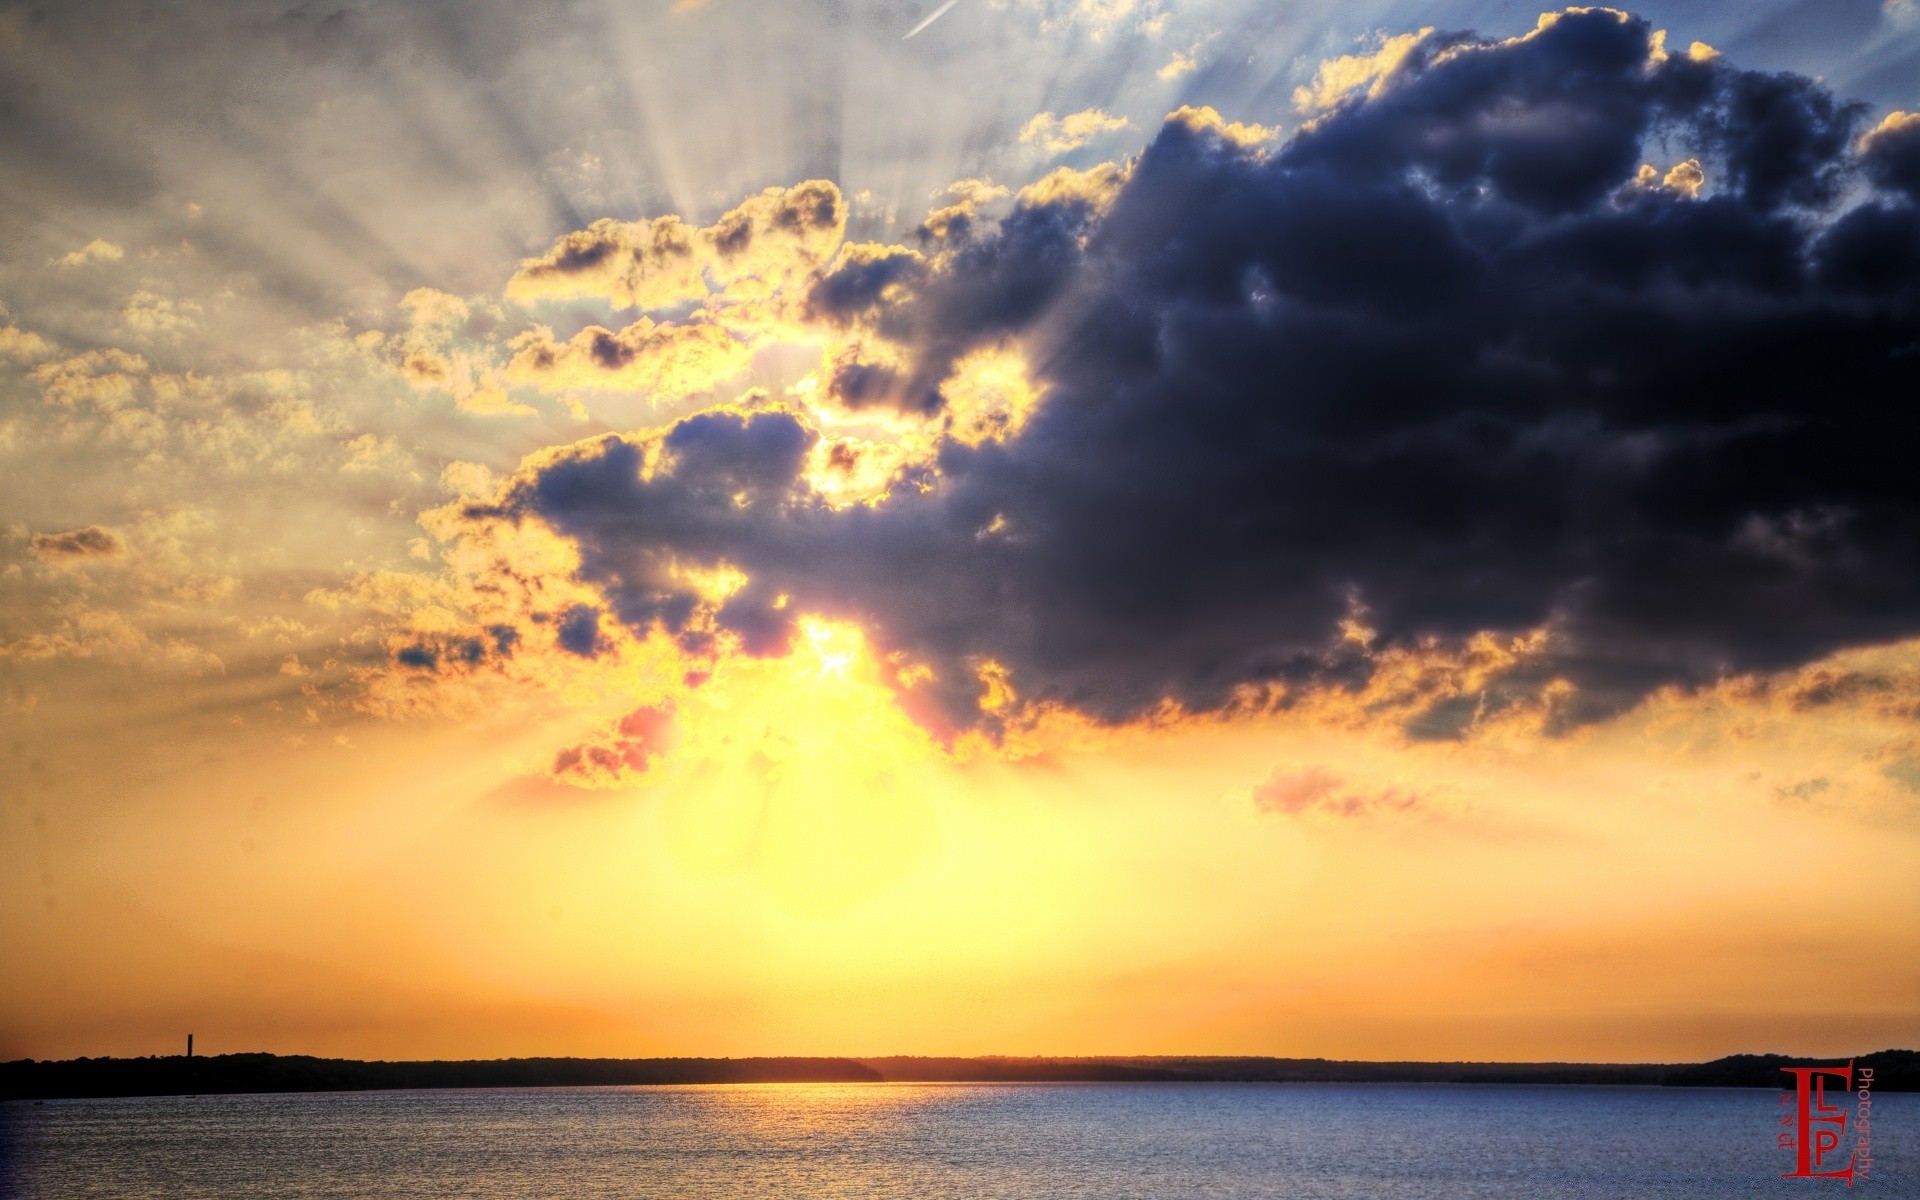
1379	530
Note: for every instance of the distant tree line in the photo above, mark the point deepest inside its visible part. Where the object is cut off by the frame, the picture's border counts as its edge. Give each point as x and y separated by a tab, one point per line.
177	1075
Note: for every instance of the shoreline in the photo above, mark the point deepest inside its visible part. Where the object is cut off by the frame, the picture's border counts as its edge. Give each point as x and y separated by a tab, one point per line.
271	1074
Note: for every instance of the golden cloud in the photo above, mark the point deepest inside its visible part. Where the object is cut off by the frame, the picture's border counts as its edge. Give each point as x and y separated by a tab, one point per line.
1183	62
669	360
1095	186
1204	119
23	345
754	249
1354	74
990	396
1057	135
97	250
1893	123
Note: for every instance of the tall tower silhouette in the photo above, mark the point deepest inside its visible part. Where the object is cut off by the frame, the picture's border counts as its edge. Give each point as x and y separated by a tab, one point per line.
189	1045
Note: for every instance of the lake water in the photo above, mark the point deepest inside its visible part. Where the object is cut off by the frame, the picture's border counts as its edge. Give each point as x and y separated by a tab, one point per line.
930	1141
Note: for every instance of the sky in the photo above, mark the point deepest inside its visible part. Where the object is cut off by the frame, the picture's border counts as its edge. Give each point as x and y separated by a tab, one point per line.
696	527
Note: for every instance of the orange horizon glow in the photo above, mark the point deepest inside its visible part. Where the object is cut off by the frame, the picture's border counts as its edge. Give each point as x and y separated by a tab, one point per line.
807	873
320	734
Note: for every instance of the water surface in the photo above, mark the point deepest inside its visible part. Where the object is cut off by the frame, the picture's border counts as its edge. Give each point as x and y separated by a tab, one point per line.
937	1141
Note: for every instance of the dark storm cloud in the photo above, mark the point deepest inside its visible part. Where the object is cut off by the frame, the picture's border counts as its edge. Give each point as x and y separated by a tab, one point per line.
578	631
1440	355
993	287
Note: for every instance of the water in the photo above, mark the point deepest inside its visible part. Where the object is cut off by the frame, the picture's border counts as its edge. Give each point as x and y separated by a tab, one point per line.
935	1141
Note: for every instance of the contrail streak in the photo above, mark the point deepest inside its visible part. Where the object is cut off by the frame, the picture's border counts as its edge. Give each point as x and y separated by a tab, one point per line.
934	16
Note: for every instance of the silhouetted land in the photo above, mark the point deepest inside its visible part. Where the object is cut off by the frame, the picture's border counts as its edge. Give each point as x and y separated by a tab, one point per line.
1895	1071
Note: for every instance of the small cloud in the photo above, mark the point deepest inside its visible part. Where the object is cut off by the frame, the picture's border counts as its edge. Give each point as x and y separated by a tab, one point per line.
782	235
1295	792
22	345
97	250
954	221
371	452
578	631
1318	790
661	359
430	308
1807	791
154	315
1686	178
1057	135
90	541
633	746
1095	187
468	479
1683	178
1183	62
280	629
974	192
492	402
1658	54
1905	772
107	379
1098	16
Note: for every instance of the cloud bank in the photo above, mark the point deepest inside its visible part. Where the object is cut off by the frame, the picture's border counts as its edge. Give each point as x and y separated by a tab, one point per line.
1562	332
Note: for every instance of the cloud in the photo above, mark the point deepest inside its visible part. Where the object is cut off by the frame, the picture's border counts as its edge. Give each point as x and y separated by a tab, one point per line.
449	345
24	345
768	241
373	452
1318	790
739	277
97	250
1183	62
90	541
1351	74
106	379
1205	120
952	222
1892	153
1097	17
1439	360
187	424
622	757
81	631
467	479
1805	792
1057	135
648	356
1065	188
153	315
